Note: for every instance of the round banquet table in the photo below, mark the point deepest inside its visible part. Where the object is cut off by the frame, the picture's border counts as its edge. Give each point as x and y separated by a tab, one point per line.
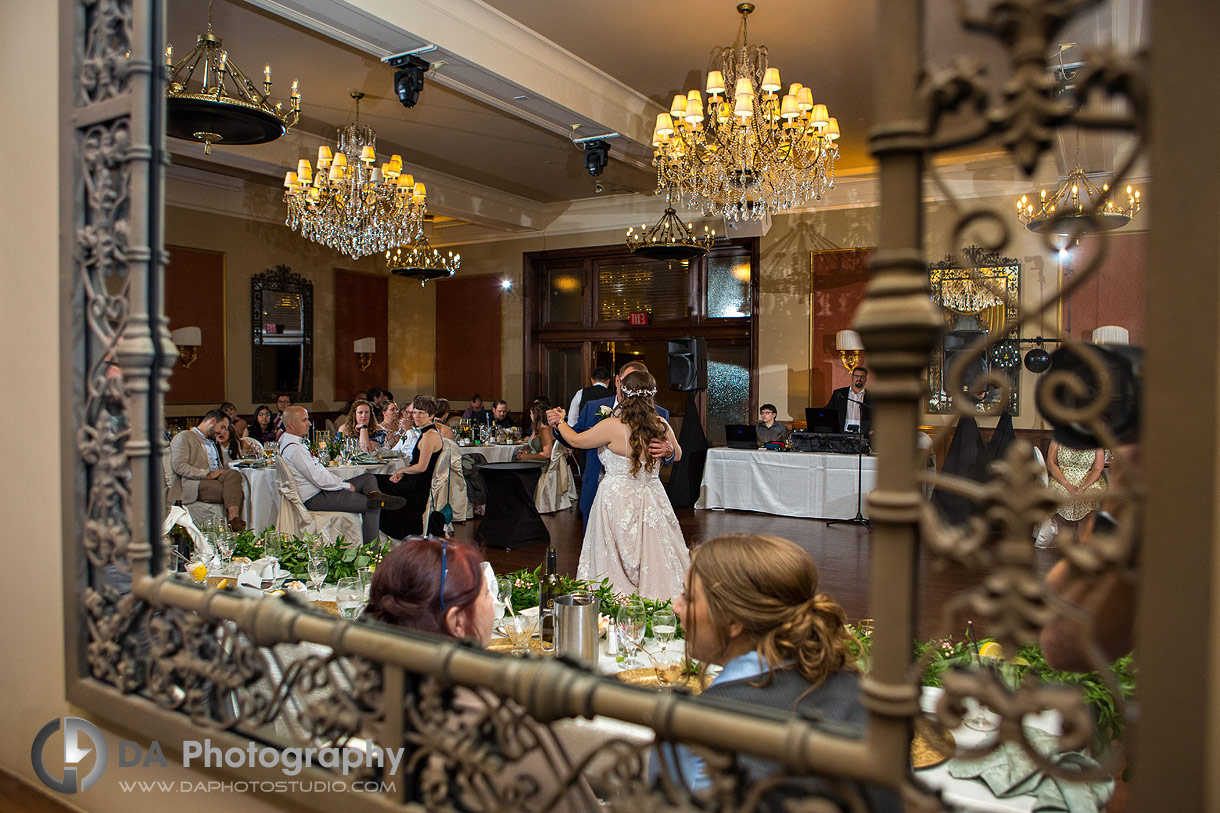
262	490
493	452
511	520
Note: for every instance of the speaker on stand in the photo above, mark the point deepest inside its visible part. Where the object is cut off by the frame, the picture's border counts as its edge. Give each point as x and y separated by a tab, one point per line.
688	373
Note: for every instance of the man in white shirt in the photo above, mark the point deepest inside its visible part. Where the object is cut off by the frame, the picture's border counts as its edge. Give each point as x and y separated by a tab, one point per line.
854	404
410	436
322	491
599	388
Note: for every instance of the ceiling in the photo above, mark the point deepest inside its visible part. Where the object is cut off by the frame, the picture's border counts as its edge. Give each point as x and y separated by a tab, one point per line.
514	82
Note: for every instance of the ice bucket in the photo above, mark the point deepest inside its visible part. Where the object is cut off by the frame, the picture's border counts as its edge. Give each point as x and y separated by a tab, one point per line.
576	627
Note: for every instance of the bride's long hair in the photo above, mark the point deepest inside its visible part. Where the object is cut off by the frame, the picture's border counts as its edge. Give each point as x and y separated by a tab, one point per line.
638	411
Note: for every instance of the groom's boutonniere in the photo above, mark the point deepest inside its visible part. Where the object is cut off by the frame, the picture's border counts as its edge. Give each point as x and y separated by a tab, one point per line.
604	411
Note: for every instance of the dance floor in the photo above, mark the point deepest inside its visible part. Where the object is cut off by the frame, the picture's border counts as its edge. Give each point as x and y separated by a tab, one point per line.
841	553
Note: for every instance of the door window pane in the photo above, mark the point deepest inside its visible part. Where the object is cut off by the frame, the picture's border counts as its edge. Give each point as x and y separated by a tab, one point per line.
565	294
563	375
728	286
728	389
658	288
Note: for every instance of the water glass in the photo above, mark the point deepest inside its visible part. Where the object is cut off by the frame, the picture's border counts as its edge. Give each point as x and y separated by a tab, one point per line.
349	595
318	569
519	629
670	668
272	546
664	627
632	621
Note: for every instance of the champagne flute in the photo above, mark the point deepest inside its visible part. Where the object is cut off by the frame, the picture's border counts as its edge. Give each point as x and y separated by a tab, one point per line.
664	627
632	621
349	595
318	569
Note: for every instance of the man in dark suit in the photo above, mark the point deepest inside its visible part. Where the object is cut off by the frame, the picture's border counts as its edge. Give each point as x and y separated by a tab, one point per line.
598	389
591	413
854	405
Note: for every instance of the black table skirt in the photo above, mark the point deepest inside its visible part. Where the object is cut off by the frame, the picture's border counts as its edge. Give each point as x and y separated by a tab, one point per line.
510	519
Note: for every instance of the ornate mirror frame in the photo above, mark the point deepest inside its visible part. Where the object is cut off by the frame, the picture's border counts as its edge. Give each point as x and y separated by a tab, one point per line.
280	279
985	289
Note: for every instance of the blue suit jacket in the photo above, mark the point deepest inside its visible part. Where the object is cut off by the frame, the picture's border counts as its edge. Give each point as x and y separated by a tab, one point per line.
592	473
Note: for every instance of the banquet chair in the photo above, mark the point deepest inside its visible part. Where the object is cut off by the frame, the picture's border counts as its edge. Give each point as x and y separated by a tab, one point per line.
448	484
556	487
294	518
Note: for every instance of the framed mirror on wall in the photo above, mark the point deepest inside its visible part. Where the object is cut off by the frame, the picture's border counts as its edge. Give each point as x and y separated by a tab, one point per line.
979	300
281	347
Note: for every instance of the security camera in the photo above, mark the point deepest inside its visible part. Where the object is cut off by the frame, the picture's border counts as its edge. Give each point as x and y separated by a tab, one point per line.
597	154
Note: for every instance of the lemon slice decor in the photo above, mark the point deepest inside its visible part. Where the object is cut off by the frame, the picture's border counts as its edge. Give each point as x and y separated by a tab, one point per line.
993	650
198	571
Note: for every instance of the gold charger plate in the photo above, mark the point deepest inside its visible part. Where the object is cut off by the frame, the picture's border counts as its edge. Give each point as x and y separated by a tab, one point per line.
646	677
331	607
506	646
932	744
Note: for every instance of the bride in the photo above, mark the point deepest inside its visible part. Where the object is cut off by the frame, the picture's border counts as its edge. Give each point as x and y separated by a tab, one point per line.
633	537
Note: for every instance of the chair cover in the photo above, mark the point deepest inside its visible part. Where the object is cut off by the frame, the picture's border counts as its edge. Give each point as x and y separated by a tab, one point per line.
294	518
556	487
448	484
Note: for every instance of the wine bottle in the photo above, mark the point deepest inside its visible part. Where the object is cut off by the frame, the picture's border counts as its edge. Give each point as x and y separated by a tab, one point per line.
548	590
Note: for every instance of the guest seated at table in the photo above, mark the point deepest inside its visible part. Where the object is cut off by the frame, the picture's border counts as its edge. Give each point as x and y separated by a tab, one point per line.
236	422
320	490
476	411
362	425
389	424
437	586
768	429
230	446
262	427
751	604
199	472
441	419
408	435
542	437
282	402
414	482
500	416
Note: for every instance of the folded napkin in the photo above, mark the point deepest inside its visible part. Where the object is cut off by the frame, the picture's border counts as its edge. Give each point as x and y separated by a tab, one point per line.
363	459
1008	772
180	516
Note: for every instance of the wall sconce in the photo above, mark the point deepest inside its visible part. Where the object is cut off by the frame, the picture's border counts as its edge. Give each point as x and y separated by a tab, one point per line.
365	348
1111	334
848	343
188	340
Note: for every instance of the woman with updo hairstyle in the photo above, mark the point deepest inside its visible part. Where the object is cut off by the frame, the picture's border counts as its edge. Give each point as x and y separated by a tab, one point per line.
632	537
752	606
433	585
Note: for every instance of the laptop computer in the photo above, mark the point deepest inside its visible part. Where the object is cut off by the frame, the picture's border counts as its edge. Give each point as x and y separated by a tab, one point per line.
741	436
822	419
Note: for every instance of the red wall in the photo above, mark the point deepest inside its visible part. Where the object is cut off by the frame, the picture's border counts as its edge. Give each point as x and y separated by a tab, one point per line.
362	308
194	295
1116	293
839	279
468	337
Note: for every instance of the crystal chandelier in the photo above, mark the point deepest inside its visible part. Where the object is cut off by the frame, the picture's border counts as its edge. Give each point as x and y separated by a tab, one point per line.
225	107
669	239
421	261
1078	206
755	151
350	203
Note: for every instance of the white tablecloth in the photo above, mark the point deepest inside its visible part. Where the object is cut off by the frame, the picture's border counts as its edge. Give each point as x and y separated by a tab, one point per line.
262	490
792	484
494	453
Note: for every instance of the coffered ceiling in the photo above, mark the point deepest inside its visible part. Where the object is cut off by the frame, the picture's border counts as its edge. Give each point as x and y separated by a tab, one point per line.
514	82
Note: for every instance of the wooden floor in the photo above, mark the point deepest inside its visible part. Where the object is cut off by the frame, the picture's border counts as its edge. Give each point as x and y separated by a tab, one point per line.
841	553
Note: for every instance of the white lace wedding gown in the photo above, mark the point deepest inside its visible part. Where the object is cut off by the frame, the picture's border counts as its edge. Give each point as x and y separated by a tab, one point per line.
633	536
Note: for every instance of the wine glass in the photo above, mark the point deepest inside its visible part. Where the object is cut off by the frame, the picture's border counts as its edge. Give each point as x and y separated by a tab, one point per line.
225	541
632	621
318	568
664	627
349	595
504	594
272	547
519	628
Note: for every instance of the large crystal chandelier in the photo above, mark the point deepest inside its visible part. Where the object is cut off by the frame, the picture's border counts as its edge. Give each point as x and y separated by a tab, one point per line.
755	151
350	203
225	107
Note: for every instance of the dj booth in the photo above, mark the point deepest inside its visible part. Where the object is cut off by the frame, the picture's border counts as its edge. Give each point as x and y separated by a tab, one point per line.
793	484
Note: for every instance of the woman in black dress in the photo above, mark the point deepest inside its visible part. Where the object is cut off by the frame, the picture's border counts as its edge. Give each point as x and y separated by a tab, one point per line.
414	482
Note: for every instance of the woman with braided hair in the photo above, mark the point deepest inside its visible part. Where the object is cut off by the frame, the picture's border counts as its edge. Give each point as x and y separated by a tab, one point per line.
632	537
751	604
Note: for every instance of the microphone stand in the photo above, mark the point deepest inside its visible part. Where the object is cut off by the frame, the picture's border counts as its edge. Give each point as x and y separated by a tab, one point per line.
859	518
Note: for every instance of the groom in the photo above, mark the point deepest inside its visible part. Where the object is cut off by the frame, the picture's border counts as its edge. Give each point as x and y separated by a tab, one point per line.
591	413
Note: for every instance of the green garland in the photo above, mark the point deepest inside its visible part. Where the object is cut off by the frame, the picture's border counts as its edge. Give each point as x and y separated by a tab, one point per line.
342	559
525	595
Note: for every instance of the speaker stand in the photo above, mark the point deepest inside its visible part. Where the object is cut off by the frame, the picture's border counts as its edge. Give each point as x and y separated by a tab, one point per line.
859	518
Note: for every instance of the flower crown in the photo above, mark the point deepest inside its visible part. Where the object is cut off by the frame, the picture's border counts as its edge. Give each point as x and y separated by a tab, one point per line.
649	391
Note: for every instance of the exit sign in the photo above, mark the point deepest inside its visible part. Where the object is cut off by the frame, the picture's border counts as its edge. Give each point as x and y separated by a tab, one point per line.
637	318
